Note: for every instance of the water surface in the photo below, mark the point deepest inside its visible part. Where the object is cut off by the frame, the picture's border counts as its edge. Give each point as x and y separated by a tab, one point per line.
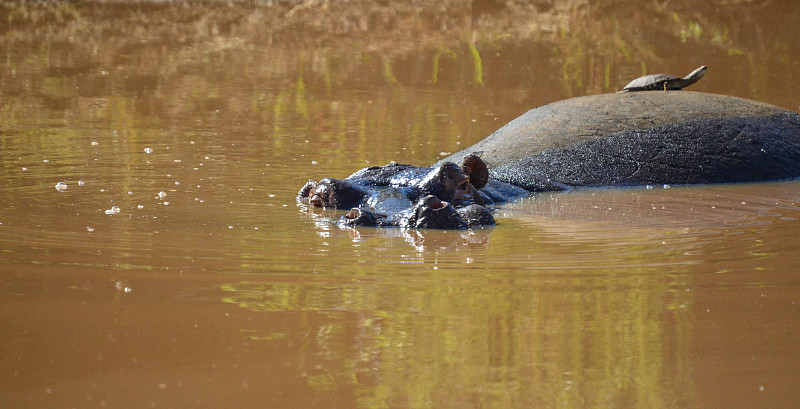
172	266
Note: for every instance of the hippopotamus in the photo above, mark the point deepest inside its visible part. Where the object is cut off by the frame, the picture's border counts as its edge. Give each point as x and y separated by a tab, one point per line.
446	196
621	139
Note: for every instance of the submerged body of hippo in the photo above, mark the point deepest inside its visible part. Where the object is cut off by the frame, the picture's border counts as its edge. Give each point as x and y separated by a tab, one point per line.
603	140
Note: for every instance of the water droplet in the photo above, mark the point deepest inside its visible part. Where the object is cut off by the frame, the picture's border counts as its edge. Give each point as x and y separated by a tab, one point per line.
313	162
89	229
140	207
271	195
166	203
95	143
113	210
122	286
61	186
148	150
24	169
81	183
162	194
667	186
230	227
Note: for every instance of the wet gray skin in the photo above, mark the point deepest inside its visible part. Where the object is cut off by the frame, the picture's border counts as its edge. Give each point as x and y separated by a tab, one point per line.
643	138
446	196
621	139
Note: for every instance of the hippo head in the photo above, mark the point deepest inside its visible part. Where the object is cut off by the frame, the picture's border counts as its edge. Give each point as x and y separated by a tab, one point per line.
445	197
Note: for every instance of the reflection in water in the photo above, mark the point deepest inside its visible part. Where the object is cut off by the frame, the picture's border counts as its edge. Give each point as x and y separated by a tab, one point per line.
326	222
675	207
522	343
604	329
194	124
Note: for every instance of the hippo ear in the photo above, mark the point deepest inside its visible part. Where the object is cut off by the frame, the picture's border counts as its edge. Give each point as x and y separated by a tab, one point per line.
474	167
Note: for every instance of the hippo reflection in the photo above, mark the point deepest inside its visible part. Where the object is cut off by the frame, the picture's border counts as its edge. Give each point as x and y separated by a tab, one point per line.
625	139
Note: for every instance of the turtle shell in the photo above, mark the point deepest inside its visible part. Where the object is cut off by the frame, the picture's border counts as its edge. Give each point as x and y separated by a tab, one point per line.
653	81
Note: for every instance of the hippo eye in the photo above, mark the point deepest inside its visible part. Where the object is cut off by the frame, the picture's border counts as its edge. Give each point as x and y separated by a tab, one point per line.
432	202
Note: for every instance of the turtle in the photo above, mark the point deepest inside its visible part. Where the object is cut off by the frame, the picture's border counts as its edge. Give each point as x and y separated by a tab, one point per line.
664	81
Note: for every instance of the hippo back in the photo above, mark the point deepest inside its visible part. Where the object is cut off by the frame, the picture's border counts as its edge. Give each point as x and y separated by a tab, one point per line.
674	137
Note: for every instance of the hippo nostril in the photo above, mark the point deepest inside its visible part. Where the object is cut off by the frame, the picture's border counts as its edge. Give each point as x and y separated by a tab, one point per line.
306	190
318	196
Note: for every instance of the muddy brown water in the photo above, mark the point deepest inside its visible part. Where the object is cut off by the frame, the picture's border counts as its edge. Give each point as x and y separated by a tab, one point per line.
173	267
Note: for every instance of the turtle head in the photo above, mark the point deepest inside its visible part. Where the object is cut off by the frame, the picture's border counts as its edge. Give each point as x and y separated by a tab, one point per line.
696	74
